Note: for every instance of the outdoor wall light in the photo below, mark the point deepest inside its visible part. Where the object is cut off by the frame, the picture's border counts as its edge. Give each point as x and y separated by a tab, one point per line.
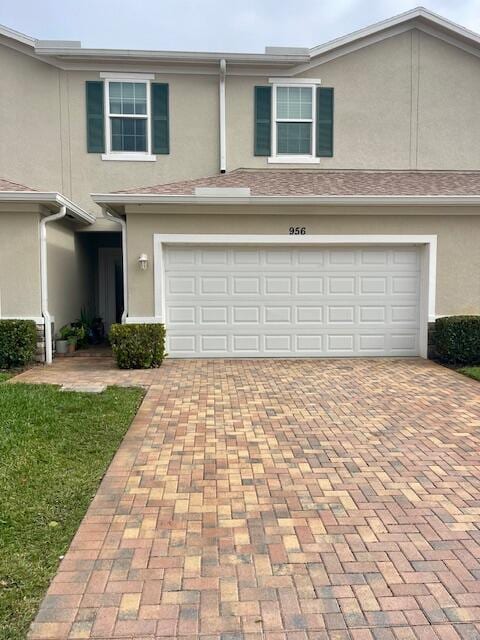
143	261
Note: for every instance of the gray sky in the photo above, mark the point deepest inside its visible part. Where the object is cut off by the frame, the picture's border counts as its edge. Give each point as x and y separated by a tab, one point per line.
212	25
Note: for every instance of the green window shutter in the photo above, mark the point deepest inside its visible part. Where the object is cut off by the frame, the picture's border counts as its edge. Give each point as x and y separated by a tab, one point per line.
160	126
95	116
263	121
324	122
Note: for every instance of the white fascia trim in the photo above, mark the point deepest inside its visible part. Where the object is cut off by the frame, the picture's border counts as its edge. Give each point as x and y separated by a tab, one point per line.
155	198
48	197
418	12
142	320
293	160
428	241
109	75
290	81
17	36
73	53
75	210
129	157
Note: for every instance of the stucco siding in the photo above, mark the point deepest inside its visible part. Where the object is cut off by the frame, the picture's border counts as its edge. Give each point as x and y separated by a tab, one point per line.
448	99
408	101
19	264
30	116
458	284
371	113
70	273
194	139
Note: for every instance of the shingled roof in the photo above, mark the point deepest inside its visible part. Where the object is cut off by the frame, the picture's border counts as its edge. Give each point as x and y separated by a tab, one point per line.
315	182
7	185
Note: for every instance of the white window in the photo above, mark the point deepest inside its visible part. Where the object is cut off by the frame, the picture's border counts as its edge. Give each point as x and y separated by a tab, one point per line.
127	118
293	134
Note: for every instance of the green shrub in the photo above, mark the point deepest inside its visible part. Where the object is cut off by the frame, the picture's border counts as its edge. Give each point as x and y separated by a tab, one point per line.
138	346
457	339
18	342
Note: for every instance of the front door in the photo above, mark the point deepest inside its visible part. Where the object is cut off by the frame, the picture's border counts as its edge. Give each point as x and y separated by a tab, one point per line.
110	285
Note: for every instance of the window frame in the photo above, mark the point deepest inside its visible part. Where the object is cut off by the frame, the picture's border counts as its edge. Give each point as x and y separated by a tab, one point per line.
110	154
294	158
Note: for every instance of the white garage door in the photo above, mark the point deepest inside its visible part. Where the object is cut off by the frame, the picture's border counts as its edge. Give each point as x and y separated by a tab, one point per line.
241	301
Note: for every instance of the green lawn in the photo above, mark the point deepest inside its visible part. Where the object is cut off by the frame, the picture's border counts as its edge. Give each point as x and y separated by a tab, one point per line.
54	449
471	372
4	376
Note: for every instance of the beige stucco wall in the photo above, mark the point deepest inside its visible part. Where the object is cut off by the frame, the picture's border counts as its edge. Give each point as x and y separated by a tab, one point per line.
19	262
30	116
69	260
409	101
458	283
194	139
371	113
70	273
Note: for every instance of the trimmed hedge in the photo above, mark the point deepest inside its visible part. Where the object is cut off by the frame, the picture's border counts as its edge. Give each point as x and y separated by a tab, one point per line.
457	339
18	343
138	346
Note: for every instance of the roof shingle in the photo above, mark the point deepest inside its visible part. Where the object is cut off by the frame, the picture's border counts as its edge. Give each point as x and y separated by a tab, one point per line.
324	182
7	185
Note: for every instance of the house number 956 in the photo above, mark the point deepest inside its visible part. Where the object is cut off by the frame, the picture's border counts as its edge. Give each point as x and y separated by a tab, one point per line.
297	231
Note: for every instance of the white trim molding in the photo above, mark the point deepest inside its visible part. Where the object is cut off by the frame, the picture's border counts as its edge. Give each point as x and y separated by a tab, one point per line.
129	156
142	320
127	77
347	201
428	260
294	81
293	160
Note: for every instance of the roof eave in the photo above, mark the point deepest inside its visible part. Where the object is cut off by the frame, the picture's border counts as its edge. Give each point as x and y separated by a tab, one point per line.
48	198
418	13
349	200
77	54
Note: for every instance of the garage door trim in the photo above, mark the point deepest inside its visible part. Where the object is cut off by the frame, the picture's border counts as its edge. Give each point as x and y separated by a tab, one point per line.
428	261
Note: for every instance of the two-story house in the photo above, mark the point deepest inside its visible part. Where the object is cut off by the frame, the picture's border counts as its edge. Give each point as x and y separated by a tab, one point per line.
294	203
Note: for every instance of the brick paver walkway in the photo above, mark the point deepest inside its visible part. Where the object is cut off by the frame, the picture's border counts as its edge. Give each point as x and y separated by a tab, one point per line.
281	500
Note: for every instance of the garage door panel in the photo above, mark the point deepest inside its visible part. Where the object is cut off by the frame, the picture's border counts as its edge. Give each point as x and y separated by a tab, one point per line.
308	314
341	314
249	315
277	314
376	285
181	315
284	302
372	314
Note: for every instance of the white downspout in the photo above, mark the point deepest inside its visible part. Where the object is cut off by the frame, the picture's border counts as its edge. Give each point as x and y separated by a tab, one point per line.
47	318
223	135
123	224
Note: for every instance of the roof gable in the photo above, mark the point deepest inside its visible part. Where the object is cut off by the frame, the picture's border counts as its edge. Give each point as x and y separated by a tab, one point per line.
418	18
293	61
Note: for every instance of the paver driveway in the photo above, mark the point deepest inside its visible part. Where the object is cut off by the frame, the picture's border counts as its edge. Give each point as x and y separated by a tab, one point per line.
283	500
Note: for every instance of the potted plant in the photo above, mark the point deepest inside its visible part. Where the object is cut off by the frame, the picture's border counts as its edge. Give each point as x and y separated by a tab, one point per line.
67	339
61	343
84	326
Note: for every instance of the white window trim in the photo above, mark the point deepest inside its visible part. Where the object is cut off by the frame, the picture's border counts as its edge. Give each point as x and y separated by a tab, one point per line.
428	278
128	156
277	158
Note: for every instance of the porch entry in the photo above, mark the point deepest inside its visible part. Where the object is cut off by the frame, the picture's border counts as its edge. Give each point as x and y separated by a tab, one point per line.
110	285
